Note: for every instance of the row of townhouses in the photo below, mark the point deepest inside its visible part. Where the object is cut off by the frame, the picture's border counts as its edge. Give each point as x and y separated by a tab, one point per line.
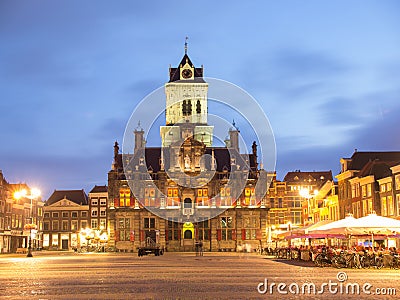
189	190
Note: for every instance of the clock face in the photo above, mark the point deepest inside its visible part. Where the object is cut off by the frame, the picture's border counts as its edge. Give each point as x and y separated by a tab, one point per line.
186	73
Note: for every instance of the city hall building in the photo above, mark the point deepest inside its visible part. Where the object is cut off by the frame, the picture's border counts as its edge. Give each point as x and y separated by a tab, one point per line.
187	190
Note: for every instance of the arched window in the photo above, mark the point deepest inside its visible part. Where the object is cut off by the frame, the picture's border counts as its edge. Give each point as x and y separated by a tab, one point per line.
187	203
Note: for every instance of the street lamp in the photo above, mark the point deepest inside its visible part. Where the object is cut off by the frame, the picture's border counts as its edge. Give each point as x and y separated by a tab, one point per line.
305	193
34	194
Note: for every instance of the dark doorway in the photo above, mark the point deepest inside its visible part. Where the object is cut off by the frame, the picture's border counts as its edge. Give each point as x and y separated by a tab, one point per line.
64	244
188	235
151	234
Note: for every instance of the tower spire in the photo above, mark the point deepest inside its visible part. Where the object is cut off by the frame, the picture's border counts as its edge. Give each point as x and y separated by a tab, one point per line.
186	44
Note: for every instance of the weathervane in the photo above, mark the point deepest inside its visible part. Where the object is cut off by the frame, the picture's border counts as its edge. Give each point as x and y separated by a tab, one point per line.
186	44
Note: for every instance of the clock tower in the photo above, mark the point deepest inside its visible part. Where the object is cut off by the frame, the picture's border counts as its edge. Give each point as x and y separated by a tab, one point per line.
186	105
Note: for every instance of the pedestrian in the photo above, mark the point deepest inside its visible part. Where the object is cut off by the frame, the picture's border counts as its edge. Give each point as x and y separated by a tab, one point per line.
197	246
201	248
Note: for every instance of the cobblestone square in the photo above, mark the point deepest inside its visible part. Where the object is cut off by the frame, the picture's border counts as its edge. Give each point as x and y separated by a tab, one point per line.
174	276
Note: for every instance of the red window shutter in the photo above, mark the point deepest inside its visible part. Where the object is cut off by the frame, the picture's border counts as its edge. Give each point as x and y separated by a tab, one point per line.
166	235
196	233
219	234
132	201
116	234
234	234
116	202
141	235
179	234
132	236
243	234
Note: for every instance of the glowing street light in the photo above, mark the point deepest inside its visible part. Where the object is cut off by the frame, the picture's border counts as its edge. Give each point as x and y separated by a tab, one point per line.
34	194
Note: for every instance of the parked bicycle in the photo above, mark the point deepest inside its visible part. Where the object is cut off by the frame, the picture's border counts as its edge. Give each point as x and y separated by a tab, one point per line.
372	260
324	258
395	261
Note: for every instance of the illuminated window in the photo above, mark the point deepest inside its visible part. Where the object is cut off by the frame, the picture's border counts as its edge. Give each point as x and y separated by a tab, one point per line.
202	197
94	224
103	223
64	225
150	197
225	196
390	205
363	191
398	203
384	206
397	181
172	198
74	225
365	207
124	197
369	190
103	211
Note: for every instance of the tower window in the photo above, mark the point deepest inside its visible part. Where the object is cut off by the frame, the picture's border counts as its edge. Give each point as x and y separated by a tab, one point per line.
186	108
198	107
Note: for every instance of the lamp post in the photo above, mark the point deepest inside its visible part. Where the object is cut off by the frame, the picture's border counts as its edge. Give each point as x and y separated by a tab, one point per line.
34	194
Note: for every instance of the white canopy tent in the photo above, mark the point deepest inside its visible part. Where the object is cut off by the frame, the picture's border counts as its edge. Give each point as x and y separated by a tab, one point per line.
368	225
337	227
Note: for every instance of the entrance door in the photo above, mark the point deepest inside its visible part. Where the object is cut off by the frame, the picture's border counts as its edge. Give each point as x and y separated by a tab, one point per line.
64	244
188	230
188	234
151	234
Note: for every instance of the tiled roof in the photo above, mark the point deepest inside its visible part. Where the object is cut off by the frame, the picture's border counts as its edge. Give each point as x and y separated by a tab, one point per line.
380	169
99	189
314	176
359	159
77	196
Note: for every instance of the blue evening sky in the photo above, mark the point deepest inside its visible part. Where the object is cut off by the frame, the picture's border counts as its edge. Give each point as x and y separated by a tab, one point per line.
327	74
